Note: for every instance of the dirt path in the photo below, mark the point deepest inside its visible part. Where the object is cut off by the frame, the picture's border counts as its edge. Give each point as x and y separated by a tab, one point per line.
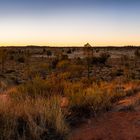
121	123
110	126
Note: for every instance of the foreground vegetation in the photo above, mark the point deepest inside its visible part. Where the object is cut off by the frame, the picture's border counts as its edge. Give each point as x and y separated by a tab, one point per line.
33	112
48	97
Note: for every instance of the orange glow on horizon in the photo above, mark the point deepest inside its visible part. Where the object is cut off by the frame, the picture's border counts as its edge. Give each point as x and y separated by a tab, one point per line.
71	44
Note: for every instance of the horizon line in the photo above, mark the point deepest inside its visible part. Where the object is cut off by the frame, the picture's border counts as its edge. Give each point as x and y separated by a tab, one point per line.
119	46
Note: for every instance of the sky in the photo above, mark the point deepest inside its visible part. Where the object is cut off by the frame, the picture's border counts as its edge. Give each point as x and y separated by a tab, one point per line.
69	22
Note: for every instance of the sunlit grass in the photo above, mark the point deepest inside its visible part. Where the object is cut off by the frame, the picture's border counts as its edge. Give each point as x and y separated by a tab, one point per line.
32	119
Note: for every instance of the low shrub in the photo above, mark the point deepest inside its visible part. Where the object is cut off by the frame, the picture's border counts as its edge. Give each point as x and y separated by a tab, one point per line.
35	119
102	59
21	59
39	87
89	101
63	65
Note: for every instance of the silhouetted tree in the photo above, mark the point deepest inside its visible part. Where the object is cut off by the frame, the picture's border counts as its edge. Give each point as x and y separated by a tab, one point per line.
88	52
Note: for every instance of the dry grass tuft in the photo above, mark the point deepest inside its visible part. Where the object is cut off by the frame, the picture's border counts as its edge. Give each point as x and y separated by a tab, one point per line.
34	119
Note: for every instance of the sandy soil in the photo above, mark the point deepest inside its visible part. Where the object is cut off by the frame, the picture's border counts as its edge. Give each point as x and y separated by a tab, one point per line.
110	126
121	123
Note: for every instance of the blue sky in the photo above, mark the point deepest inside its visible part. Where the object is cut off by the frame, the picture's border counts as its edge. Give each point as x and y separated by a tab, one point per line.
69	22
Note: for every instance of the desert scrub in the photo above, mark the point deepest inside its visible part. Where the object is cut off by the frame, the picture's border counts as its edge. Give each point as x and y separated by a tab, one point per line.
40	88
125	89
35	119
89	101
41	69
33	88
73	88
63	65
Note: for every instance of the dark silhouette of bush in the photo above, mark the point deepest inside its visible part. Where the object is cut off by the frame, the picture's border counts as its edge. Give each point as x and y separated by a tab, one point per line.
63	57
69	51
49	53
54	63
102	59
21	59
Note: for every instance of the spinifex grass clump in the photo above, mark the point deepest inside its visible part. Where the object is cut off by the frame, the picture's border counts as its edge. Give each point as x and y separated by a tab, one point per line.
35	119
40	88
89	100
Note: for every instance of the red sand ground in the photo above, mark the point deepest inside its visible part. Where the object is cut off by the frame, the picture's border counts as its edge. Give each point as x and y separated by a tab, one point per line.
110	126
114	125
